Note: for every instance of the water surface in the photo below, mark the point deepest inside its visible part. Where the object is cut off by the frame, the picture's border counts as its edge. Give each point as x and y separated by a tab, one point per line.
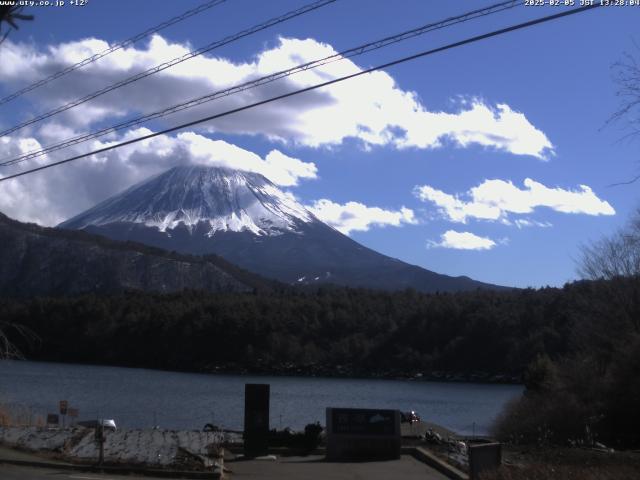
139	398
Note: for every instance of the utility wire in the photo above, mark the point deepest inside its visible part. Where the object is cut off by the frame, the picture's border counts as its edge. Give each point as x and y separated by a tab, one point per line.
113	48
425	53
352	52
171	63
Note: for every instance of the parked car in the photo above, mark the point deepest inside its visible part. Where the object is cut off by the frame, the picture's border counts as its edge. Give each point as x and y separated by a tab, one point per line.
107	423
409	417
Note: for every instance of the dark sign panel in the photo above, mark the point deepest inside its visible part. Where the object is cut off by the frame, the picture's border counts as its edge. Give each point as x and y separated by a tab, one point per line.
357	433
363	422
53	419
484	457
256	419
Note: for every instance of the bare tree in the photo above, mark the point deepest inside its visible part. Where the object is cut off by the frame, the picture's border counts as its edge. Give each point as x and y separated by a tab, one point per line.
615	256
619	254
626	76
8	349
10	14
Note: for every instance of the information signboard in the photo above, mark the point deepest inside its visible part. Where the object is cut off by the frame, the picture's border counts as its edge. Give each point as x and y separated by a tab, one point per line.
53	419
358	433
363	422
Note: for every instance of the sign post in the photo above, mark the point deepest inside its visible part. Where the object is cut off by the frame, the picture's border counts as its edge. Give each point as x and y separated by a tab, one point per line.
53	419
100	438
73	413
64	404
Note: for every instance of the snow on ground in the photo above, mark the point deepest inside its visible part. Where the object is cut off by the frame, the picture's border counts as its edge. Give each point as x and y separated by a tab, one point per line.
150	447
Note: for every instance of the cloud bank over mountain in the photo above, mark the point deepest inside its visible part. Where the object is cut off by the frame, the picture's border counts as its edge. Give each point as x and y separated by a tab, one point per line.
372	109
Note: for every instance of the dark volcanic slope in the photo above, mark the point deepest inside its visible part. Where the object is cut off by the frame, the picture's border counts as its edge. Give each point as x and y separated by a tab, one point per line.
47	261
320	255
246	219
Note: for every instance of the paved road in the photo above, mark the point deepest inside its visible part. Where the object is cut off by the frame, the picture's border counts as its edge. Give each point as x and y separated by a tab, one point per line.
418	429
13	454
315	467
310	468
12	472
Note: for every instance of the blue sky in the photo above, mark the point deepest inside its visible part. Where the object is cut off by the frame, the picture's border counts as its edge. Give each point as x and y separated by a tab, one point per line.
555	79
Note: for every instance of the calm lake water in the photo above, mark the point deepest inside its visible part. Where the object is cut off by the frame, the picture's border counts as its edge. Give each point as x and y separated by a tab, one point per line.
139	398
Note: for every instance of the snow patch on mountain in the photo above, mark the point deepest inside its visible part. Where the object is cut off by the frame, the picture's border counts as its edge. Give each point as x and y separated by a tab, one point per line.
220	198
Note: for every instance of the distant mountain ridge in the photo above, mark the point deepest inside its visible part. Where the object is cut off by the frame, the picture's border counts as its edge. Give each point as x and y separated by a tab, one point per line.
46	261
246	219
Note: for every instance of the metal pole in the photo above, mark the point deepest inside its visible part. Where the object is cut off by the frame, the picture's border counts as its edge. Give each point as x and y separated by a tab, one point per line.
101	460
99	437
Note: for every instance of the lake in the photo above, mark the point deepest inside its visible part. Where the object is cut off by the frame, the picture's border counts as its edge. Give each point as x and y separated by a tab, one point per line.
139	398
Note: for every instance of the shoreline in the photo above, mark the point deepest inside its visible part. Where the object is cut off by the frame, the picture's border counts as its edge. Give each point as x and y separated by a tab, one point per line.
337	372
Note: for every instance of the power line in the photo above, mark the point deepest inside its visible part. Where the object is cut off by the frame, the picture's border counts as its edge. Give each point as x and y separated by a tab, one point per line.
352	52
113	48
425	53
175	61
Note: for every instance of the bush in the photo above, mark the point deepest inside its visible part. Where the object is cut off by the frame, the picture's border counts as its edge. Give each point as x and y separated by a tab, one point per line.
578	401
563	472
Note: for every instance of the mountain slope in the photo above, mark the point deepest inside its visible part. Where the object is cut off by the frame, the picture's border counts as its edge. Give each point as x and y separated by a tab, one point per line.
246	219
220	198
46	261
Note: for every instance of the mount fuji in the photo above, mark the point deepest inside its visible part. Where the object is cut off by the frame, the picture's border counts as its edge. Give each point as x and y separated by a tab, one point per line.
249	221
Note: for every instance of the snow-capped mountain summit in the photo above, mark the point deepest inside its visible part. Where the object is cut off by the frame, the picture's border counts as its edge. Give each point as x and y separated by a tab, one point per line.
246	219
216	198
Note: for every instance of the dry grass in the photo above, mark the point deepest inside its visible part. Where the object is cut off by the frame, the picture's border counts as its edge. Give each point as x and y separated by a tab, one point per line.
567	464
564	472
14	415
5	417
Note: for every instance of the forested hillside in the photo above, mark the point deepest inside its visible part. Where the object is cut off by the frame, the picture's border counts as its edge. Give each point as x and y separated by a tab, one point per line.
484	335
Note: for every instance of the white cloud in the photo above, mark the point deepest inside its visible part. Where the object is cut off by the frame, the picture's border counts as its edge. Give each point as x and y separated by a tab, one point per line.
354	216
56	194
527	222
276	166
501	128
371	108
462	241
496	199
286	171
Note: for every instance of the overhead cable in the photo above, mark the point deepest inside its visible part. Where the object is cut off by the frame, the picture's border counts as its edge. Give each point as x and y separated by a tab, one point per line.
352	52
175	61
425	53
112	48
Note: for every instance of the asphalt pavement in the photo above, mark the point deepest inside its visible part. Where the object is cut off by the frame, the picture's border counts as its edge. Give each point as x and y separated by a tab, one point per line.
311	468
314	467
12	472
